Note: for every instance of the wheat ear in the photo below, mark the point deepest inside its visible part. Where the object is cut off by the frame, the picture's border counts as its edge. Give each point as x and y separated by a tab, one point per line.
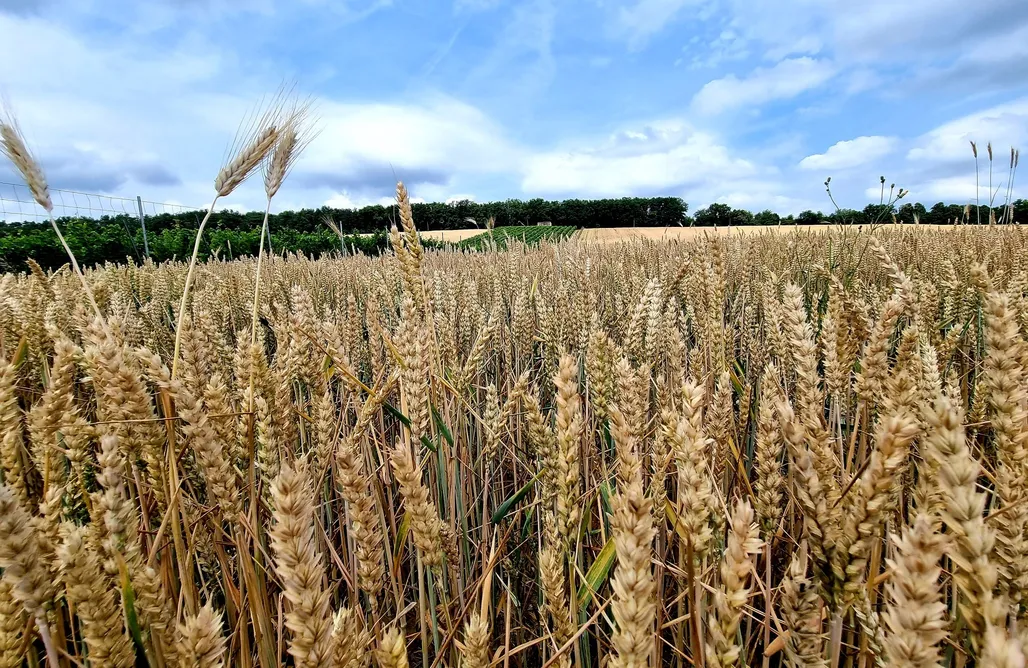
25	556
354	487
801	612
873	504
426	527
768	481
569	426
292	136
299	566
1004	384
475	653
635	604
730	600
201	641
915	614
962	510
551	573
350	641
1000	650
12	440
818	516
392	651
12	145
296	133
12	621
248	158
695	493
252	144
117	519
97	605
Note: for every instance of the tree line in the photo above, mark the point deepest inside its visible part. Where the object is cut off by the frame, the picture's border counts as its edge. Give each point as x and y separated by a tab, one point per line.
722	215
234	234
458	215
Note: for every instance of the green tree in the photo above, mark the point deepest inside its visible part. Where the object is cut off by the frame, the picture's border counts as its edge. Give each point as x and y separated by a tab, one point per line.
715	214
911	210
809	217
767	217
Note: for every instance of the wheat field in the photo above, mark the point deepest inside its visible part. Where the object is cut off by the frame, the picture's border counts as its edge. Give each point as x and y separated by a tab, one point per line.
759	450
804	449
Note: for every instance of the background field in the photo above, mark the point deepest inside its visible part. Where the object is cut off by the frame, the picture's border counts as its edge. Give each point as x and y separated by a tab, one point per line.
611	234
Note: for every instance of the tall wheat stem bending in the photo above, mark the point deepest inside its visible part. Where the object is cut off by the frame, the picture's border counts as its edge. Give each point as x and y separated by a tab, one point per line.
185	288
256	299
78	272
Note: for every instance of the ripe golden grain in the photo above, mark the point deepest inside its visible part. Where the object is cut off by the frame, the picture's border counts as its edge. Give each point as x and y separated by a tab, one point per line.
555	435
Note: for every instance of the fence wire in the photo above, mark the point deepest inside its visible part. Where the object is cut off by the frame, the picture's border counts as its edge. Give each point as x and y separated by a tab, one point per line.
17	205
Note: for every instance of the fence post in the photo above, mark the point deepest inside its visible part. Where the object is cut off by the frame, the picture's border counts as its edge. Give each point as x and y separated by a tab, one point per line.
142	223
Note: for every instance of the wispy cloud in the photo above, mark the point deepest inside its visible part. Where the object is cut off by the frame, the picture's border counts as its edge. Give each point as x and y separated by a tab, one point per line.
1007	123
785	80
642	19
850	153
660	157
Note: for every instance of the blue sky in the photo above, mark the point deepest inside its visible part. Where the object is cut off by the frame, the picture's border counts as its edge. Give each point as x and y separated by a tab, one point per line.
744	102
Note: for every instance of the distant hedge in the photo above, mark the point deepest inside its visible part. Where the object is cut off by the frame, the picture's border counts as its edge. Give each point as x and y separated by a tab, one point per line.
115	238
720	214
95	242
624	212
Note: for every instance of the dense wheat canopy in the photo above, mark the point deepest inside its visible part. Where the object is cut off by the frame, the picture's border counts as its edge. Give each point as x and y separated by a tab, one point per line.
795	449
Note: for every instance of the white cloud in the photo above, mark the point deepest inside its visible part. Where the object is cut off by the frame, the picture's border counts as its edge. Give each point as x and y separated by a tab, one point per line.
940	166
785	80
345	200
665	156
862	79
152	112
851	153
959	189
756	196
156	122
882	29
875	29
1004	125
805	45
430	140
936	44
